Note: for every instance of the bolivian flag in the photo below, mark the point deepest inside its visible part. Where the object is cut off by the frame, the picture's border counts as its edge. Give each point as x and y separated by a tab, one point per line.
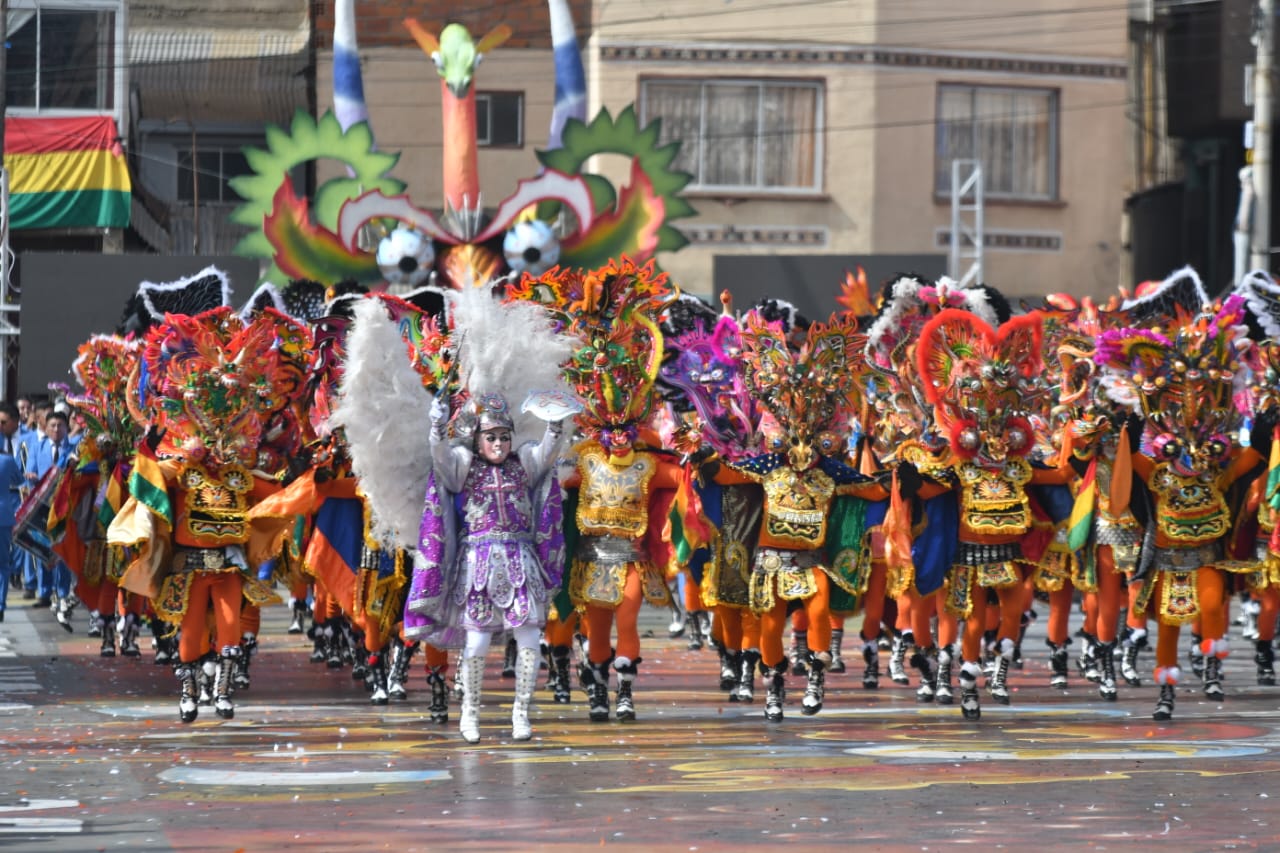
66	173
688	527
1080	522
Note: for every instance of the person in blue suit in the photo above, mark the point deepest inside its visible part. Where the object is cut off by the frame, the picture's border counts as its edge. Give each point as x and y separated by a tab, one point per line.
10	496
54	450
23	445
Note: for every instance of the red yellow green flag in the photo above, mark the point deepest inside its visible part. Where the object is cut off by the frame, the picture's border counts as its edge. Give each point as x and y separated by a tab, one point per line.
67	172
1080	522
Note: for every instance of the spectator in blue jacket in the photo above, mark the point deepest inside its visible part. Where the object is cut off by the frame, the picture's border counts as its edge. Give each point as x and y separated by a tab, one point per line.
10	497
54	450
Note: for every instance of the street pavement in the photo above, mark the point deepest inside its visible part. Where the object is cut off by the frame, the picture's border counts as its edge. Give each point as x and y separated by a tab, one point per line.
93	757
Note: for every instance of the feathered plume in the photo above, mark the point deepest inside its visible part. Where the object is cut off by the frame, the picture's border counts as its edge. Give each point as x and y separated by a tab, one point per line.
382	406
507	348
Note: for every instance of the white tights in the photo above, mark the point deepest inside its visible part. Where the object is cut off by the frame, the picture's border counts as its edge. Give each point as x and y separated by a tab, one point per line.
527	637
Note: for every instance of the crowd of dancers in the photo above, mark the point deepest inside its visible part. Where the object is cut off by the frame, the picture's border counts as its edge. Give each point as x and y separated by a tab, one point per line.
534	461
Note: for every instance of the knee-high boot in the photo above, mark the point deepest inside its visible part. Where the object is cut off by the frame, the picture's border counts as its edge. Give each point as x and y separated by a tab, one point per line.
526	678
598	691
472	672
398	668
227	662
188	710
746	691
439	707
815	691
560	674
625	708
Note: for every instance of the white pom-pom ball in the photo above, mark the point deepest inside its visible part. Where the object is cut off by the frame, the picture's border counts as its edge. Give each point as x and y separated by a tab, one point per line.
405	256
531	247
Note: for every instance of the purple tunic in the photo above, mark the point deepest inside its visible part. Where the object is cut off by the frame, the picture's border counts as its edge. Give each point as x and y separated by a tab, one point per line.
509	554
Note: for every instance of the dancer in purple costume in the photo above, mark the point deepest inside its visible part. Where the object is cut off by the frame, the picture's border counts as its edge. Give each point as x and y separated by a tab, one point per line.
491	549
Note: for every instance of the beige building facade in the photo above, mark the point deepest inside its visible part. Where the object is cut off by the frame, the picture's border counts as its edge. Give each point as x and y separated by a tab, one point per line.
1034	88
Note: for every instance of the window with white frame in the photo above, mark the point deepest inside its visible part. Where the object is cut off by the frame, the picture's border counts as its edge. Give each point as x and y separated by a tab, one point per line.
60	56
1012	131
741	135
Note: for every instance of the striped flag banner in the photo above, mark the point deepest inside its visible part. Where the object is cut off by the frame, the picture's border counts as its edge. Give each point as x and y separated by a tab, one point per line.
1273	471
1080	522
66	173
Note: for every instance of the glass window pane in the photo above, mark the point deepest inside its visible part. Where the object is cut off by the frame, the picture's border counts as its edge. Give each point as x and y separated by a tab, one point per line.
234	164
731	126
1012	132
789	136
678	106
20	61
483	123
183	162
209	179
75	59
993	114
955	132
504	119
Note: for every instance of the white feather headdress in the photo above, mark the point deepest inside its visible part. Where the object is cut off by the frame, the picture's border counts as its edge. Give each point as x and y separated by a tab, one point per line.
507	348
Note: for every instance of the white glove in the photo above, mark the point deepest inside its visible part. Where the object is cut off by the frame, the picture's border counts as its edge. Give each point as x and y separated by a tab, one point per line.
439	412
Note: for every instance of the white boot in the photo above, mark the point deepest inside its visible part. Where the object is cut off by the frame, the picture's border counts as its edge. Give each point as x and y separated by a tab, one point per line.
471	671
526	678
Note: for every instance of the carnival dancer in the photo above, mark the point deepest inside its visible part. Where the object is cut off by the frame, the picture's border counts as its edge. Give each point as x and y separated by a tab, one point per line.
808	395
89	496
702	377
901	432
1255	532
624	480
508	557
487	543
509	553
213	383
1105	544
982	383
1181	380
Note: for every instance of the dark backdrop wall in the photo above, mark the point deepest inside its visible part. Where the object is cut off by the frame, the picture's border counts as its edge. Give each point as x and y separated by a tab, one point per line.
812	282
66	298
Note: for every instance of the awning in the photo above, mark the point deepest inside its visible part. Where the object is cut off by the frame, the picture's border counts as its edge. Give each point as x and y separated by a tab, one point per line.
220	73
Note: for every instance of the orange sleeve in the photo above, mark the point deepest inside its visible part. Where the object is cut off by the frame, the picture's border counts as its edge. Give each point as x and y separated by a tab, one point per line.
728	476
263	487
1242	463
866	491
1144	465
1059	476
667	476
339	487
931	489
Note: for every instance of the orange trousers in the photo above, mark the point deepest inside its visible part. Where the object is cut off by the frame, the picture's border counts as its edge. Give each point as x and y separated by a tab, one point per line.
773	622
601	620
436	659
222	591
922	611
1269	609
739	627
1009	612
559	632
1210	587
1102	609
